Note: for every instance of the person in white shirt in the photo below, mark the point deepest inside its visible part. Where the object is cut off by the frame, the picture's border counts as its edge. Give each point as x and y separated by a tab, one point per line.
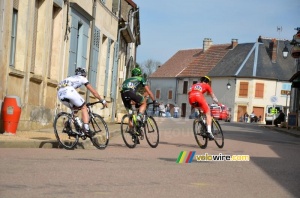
68	95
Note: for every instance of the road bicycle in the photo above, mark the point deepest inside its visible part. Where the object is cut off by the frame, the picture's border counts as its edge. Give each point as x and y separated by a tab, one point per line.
148	127
68	128
201	134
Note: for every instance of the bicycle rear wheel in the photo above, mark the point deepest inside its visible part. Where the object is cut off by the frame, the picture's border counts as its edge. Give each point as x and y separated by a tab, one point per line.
129	138
218	133
100	132
64	130
151	132
199	129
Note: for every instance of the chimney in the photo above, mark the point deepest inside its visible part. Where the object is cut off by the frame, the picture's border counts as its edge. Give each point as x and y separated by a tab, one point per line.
234	43
207	42
273	49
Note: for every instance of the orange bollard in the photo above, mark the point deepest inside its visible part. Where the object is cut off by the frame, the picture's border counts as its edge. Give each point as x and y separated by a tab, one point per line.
11	111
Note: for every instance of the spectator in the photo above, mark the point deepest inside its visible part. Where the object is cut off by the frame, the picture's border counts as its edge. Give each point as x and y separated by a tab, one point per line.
176	110
246	116
161	109
280	118
252	117
168	114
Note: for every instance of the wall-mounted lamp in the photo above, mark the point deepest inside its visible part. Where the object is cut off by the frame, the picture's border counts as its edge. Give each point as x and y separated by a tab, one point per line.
285	51
229	85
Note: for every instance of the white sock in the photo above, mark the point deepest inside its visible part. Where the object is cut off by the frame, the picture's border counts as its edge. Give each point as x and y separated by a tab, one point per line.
209	128
86	126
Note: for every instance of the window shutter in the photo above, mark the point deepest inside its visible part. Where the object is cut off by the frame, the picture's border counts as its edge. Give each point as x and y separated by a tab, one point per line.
243	89
73	46
94	67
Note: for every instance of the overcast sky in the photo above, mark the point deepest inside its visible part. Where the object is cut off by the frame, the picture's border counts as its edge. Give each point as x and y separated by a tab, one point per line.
168	26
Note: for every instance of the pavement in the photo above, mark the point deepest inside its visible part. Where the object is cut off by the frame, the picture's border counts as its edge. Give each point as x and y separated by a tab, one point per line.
45	138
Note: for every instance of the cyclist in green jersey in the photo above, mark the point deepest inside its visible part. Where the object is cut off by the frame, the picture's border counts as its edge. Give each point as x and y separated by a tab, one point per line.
133	89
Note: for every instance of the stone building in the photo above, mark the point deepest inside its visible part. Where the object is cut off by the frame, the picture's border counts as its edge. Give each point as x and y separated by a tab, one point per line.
43	41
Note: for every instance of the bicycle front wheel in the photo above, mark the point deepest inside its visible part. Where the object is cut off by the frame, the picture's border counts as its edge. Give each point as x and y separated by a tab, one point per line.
151	132
200	133
218	133
64	130
100	132
129	138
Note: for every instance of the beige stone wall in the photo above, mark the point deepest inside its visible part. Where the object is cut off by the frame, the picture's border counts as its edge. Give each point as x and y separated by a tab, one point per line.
36	83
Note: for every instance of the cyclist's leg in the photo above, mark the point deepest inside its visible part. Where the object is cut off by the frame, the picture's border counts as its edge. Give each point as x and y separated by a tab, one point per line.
127	103
140	101
206	110
79	103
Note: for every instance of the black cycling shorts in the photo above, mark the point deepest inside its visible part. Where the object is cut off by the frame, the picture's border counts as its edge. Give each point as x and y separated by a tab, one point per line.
129	95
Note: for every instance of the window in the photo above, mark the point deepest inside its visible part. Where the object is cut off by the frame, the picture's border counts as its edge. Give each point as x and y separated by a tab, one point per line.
243	89
259	90
13	38
185	87
157	94
170	94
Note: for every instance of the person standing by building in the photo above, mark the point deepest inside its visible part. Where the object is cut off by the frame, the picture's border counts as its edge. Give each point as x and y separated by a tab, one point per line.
176	111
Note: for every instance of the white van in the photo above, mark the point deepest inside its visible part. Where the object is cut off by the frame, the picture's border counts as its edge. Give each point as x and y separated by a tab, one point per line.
272	112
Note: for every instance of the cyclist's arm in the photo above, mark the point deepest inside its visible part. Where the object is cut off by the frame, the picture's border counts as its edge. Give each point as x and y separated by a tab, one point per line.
95	93
149	92
214	98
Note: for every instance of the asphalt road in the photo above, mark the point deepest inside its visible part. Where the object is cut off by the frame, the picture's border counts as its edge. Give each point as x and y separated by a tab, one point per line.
117	171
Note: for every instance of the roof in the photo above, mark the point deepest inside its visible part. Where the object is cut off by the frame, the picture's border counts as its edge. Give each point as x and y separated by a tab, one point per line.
203	63
176	63
241	63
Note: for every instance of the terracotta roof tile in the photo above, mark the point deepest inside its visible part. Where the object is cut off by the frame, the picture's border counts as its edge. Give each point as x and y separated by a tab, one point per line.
176	63
204	62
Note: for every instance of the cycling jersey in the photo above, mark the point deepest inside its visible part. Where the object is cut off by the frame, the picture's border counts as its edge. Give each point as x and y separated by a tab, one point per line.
74	81
196	97
133	89
135	84
67	93
201	87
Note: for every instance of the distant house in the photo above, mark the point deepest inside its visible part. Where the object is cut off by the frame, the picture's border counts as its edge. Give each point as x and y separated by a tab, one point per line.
171	82
255	72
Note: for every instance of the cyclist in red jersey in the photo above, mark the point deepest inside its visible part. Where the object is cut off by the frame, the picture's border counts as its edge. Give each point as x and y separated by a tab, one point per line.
197	100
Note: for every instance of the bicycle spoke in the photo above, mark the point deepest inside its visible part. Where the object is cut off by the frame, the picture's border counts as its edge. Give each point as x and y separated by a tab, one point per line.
99	130
151	132
199	130
129	138
64	130
218	133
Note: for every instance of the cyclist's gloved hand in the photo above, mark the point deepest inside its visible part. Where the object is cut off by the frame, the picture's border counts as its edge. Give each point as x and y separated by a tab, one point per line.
104	103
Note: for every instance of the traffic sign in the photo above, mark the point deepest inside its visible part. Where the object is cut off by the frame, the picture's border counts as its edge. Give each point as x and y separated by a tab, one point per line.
285	92
274	99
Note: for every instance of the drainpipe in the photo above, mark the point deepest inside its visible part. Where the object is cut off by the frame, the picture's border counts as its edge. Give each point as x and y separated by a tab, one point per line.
115	73
91	48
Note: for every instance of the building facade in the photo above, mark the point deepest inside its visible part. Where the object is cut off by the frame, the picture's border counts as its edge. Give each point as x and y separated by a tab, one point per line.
43	41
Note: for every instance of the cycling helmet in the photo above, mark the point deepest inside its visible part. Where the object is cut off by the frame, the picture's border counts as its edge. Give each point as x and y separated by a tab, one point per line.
136	72
205	79
80	71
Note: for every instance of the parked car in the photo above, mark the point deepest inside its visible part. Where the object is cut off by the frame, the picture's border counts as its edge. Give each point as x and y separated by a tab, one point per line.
220	112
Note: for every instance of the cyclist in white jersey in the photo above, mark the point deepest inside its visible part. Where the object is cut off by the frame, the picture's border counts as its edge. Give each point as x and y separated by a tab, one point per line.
68	95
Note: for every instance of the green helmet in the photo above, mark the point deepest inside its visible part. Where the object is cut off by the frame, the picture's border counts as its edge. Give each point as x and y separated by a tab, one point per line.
136	72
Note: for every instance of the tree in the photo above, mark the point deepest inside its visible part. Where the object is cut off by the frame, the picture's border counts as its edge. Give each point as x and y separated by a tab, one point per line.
149	66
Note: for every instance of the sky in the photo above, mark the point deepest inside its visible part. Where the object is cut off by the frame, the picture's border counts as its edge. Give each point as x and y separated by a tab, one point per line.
168	26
